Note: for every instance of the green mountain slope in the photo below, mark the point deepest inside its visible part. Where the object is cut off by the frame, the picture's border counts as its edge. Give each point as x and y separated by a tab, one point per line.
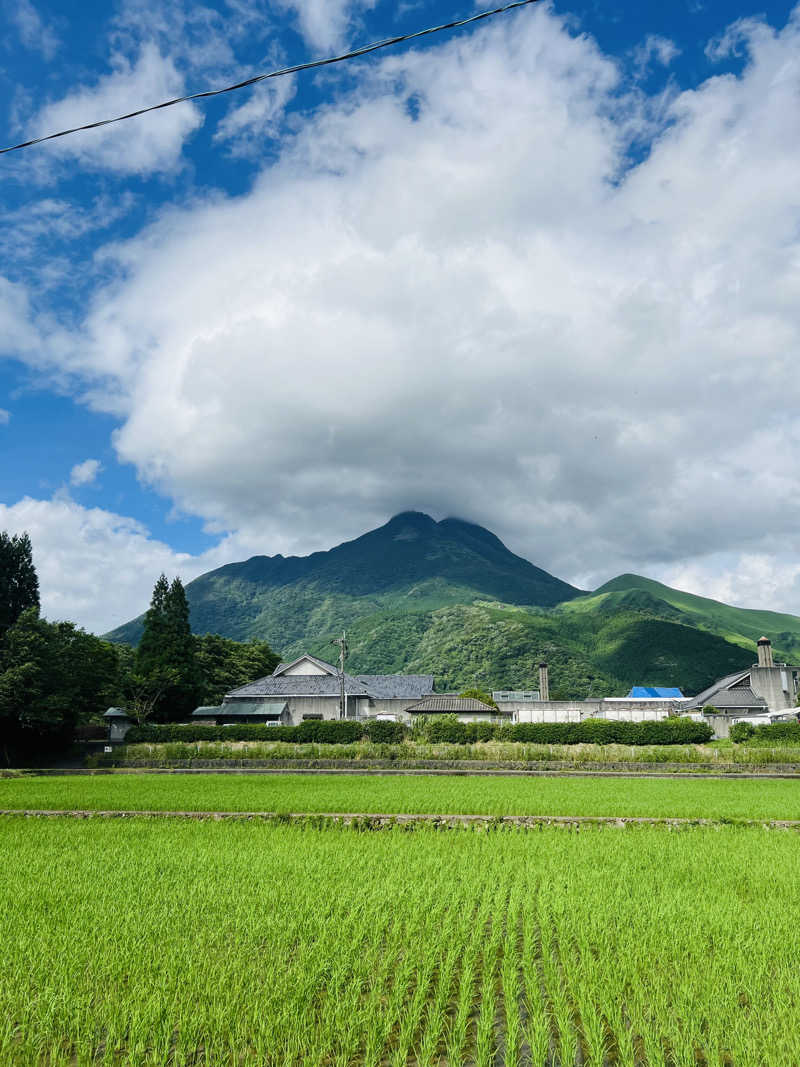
410	564
742	626
449	598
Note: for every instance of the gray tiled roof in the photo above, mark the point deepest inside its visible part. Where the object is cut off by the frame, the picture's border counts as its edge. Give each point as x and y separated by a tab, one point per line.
449	704
740	697
723	683
397	686
242	709
298	685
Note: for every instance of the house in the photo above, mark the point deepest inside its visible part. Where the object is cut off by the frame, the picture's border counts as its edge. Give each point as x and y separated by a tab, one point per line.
764	692
275	713
310	688
466	708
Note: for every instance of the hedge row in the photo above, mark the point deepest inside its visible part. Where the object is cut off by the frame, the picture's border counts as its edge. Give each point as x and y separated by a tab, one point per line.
332	731
677	731
448	729
779	733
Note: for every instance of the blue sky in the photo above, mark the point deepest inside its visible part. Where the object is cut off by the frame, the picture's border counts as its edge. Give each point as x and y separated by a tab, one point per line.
541	273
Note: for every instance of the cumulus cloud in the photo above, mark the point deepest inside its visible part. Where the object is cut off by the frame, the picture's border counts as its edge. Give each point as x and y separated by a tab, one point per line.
144	145
35	34
454	291
85	473
326	24
97	568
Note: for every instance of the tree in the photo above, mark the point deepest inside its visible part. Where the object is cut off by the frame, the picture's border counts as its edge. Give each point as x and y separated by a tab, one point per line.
53	676
19	586
165	660
224	664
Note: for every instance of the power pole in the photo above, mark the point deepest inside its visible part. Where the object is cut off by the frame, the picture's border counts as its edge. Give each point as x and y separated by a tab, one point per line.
342	643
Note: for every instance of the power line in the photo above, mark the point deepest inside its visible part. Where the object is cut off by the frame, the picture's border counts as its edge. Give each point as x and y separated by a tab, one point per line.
365	50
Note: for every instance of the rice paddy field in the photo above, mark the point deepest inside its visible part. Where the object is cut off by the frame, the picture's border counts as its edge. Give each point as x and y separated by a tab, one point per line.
450	794
153	942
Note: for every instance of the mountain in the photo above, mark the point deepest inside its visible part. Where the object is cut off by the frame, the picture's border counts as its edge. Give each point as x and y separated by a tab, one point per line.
449	598
742	626
410	564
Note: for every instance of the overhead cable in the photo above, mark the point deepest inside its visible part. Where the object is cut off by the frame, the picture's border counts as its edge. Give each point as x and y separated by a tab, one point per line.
297	68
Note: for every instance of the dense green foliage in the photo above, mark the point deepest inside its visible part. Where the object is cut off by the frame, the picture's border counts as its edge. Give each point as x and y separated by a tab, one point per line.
448	598
779	733
19	585
438	729
333	732
691	798
218	943
224	664
166	683
53	676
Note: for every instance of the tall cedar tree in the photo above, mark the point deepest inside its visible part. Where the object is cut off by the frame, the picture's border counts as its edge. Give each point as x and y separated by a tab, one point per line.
19	586
166	652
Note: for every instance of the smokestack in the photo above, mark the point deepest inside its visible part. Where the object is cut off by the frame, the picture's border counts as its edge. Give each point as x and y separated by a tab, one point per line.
544	682
765	652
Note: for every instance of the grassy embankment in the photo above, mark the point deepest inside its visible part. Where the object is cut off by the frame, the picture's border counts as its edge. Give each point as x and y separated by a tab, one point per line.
150	942
441	794
717	754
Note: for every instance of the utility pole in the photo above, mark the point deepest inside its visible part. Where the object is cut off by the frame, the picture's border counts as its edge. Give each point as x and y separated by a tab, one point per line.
342	643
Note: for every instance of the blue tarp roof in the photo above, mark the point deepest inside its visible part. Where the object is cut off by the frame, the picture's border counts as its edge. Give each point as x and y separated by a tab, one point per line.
661	692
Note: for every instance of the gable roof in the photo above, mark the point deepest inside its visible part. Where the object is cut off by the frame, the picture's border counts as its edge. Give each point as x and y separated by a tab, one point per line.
739	696
328	668
723	683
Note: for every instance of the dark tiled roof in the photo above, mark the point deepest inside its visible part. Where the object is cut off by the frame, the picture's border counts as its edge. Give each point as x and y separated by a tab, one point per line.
740	697
397	686
243	709
723	683
449	704
298	685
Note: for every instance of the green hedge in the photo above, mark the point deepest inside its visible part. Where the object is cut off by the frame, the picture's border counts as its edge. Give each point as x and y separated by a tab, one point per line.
677	731
332	731
447	729
779	733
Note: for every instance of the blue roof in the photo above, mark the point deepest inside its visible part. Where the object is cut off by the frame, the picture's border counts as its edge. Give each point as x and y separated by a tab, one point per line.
659	692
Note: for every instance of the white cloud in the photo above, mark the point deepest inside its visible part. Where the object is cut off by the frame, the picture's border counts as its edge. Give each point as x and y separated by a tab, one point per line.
144	145
327	24
85	473
476	306
5	417
246	124
34	33
656	49
97	568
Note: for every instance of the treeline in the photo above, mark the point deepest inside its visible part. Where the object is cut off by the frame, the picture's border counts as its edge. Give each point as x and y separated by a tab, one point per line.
55	677
442	729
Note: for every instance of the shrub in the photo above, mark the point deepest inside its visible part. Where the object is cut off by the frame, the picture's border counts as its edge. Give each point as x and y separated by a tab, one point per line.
778	733
330	731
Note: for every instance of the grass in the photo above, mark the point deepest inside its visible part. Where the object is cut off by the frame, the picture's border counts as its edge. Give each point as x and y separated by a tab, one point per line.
716	753
151	943
690	798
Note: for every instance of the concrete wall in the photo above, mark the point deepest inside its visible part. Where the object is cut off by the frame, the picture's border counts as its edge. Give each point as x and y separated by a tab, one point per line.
608	708
777	685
